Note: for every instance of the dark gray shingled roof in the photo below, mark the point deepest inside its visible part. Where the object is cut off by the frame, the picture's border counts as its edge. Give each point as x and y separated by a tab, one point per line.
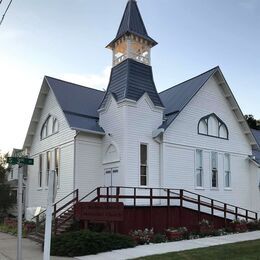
256	153
130	80
78	103
132	22
177	97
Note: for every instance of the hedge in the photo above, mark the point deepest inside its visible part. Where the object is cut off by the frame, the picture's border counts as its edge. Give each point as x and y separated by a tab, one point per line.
86	243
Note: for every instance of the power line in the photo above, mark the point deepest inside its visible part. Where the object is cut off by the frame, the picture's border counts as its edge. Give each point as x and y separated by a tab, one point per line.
1	1
5	11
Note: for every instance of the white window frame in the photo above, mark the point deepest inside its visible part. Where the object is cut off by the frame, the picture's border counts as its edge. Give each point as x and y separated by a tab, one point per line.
217	171
142	165
227	170
55	165
48	163
201	168
40	171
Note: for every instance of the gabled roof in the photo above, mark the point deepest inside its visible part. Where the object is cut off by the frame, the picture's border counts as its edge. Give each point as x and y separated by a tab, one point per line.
130	80
177	97
132	22
78	103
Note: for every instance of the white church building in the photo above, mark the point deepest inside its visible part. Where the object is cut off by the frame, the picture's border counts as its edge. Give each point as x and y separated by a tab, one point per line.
192	136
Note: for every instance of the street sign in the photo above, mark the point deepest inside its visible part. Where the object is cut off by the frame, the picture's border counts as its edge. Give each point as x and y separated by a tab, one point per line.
12	160
20	160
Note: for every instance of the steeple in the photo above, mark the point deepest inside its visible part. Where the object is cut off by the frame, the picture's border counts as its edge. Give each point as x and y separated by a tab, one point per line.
131	75
132	40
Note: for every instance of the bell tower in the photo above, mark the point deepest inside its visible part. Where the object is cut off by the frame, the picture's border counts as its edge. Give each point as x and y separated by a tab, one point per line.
132	40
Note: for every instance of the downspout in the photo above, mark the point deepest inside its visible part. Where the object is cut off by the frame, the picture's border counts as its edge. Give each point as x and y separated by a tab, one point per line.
74	160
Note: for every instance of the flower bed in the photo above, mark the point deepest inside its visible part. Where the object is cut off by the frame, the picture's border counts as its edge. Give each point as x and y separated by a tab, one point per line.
174	234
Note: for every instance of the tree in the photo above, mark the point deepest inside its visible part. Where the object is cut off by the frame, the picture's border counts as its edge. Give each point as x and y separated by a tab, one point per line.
7	199
252	122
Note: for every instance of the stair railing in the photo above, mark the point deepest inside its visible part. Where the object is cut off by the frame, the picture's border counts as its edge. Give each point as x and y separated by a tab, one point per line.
182	196
40	218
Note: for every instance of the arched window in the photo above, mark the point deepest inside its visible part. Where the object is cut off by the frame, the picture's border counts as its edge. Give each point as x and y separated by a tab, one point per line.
111	155
212	125
49	127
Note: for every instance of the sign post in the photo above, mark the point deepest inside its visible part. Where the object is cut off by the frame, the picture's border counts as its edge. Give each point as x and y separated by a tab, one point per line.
48	222
20	161
20	212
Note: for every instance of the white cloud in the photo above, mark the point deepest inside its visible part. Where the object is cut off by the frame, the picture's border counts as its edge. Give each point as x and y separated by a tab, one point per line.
98	81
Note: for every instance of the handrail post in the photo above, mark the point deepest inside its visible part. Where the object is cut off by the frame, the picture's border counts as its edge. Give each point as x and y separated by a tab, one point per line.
117	193
151	197
236	215
37	224
55	220
98	194
198	208
225	214
181	205
212	211
246	215
77	195
256	216
134	197
107	194
151	207
168	208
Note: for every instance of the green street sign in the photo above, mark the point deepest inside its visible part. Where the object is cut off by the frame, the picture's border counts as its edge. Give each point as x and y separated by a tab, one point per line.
12	160
20	160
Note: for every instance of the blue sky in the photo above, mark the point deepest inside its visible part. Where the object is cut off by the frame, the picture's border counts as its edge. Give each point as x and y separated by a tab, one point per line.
66	39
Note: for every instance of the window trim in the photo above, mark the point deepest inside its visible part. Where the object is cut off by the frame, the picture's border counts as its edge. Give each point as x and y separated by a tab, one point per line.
57	176
224	172
40	171
211	171
48	170
202	170
45	124
221	123
147	164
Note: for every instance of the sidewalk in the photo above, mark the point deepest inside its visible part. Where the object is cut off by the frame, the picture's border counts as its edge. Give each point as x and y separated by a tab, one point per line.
162	248
31	250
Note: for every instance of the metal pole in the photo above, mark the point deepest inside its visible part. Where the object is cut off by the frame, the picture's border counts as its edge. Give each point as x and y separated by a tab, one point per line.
48	221
20	212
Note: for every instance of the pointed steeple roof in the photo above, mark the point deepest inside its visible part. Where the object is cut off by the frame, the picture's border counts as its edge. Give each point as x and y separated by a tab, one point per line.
132	23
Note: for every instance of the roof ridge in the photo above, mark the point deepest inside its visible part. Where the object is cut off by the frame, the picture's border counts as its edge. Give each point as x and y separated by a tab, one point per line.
78	85
217	67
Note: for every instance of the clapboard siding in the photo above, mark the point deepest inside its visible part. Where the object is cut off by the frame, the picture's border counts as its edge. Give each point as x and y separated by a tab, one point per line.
113	121
181	140
88	170
142	120
64	140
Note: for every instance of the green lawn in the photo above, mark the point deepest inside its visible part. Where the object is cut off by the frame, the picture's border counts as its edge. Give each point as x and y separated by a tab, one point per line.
243	250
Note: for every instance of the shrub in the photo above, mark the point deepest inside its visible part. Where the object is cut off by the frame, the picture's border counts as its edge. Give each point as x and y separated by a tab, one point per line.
86	243
142	237
159	238
253	225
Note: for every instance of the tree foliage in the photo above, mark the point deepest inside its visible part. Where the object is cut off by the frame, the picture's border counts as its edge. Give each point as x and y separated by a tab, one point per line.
7	198
252	122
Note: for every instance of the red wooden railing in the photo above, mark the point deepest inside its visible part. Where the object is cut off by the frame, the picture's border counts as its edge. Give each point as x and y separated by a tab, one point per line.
150	197
58	211
171	197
